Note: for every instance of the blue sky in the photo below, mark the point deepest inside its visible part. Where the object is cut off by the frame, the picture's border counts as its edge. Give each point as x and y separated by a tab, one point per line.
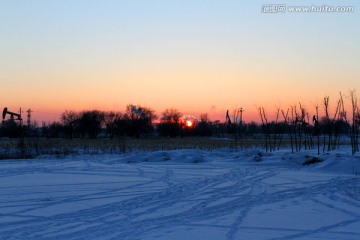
197	56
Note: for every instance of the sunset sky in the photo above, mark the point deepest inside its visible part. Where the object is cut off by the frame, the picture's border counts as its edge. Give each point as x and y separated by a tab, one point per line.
196	56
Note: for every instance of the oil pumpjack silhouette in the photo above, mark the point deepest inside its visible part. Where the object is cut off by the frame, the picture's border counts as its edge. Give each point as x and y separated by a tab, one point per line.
12	115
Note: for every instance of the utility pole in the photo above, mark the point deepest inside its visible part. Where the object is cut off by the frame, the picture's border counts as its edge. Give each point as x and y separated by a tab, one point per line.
20	117
29	117
240	125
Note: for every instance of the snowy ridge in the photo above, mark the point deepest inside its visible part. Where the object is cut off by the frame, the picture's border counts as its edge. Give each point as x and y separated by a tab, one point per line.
182	194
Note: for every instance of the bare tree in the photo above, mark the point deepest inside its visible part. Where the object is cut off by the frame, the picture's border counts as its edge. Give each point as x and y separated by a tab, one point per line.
90	123
170	123
266	128
204	127
355	123
317	128
277	132
110	119
342	118
139	120
236	125
326	123
70	118
204	117
284	125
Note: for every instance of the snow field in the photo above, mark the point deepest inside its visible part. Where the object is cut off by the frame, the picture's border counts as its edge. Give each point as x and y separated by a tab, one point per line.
182	194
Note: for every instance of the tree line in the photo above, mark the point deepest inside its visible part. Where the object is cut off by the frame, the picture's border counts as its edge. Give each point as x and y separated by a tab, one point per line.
295	124
135	122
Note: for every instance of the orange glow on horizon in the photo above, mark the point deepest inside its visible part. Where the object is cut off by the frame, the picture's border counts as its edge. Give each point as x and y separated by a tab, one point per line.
155	57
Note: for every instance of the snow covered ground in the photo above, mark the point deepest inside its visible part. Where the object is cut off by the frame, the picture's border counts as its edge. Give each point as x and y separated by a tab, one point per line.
183	194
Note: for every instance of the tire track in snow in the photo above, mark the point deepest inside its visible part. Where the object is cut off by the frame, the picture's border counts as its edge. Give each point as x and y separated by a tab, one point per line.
176	201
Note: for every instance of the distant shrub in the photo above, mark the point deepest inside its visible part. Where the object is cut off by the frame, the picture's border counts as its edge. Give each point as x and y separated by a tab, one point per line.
312	160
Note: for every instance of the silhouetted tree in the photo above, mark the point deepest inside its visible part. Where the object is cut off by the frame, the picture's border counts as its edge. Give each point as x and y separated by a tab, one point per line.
139	120
69	119
110	119
170	123
121	126
266	129
90	123
204	126
218	128
355	126
316	129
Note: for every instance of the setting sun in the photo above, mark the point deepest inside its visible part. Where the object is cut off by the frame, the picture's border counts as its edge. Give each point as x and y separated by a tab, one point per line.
189	123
